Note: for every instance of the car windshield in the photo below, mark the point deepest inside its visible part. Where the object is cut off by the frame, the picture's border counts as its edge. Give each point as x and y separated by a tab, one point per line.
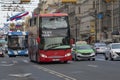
116	46
100	45
83	47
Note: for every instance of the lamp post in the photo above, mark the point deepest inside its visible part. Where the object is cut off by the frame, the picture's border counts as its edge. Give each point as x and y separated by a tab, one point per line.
112	23
76	29
99	20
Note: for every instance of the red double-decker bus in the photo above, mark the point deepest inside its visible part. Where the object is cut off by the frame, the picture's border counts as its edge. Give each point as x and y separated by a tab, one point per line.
49	38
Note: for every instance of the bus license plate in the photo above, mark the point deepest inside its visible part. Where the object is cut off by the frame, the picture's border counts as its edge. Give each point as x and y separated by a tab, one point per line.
56	59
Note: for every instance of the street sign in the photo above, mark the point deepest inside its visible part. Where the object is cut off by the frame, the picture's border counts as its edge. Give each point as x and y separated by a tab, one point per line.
99	15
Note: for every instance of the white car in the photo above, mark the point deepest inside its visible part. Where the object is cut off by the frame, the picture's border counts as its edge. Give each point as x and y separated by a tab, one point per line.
114	51
101	48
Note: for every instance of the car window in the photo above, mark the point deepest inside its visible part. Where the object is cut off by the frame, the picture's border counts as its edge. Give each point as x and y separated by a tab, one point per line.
100	45
116	46
83	47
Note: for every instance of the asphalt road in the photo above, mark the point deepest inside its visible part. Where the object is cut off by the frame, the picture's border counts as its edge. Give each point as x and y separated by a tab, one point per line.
20	68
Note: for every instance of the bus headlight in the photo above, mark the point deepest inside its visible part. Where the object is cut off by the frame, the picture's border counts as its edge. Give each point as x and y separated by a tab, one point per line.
44	56
26	52
68	54
9	52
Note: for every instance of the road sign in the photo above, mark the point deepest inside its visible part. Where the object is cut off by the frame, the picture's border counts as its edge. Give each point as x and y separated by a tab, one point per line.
99	15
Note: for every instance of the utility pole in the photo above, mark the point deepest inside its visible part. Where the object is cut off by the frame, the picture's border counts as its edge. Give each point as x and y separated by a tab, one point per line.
95	21
99	10
112	23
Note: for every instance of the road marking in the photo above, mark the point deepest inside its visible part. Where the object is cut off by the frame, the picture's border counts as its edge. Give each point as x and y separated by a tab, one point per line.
93	65
98	59
6	64
65	77
3	62
26	61
21	75
15	62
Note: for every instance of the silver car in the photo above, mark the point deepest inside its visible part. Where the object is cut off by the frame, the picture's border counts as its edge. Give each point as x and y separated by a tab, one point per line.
114	51
101	48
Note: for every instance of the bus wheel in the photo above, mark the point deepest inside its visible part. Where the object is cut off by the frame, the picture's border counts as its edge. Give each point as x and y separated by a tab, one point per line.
65	61
37	58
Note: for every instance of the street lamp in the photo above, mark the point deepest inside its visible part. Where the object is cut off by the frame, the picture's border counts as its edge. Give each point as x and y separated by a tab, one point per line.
77	29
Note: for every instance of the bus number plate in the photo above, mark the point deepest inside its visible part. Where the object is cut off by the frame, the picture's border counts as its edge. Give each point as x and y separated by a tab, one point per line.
56	59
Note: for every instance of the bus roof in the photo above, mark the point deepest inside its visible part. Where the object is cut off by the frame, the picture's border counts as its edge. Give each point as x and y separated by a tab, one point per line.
53	14
18	33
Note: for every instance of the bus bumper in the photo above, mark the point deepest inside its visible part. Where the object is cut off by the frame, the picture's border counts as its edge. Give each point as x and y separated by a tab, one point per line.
63	59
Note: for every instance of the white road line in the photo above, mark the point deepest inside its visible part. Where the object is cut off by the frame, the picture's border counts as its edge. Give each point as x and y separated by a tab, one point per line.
21	75
6	64
99	59
3	61
15	62
65	77
26	61
95	66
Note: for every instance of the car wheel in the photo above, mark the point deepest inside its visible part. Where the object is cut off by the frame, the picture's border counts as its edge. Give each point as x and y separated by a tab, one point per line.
65	61
106	58
75	58
93	59
111	57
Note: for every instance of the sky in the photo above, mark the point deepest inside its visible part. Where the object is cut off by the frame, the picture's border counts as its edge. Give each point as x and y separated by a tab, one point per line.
3	14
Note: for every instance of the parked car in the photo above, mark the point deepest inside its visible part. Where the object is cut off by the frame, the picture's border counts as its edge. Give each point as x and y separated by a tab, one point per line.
83	51
101	48
114	51
1	52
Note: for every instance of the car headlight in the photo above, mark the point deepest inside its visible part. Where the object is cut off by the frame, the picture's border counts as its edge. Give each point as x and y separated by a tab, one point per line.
113	52
26	52
9	52
44	56
93	53
68	54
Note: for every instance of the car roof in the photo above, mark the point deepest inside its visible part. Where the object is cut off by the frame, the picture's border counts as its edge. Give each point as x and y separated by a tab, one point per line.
114	43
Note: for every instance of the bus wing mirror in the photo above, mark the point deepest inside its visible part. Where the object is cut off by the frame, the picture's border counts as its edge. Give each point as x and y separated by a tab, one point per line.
38	39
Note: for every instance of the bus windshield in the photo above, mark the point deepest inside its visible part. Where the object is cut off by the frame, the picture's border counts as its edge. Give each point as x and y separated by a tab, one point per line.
54	43
17	42
54	22
54	32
